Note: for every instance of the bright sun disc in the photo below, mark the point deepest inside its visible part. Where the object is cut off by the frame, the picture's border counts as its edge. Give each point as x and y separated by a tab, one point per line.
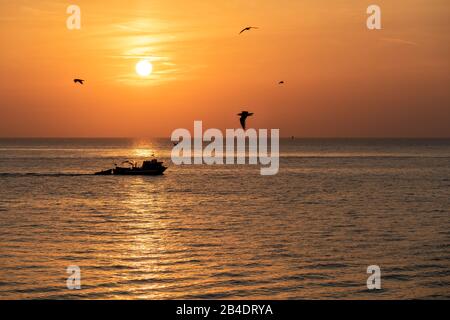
144	68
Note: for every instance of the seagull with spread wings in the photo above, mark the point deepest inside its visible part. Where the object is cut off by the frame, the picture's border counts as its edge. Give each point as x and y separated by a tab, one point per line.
244	115
248	29
80	81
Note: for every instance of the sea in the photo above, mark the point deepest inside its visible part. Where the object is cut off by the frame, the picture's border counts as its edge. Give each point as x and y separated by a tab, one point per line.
336	209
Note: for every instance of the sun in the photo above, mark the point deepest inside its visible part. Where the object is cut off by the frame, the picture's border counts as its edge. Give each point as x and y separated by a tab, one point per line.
144	68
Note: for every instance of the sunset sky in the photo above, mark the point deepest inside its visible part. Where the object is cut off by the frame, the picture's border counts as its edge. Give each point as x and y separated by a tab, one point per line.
341	79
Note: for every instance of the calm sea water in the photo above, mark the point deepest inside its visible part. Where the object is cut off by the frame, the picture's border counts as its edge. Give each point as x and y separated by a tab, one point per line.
336	207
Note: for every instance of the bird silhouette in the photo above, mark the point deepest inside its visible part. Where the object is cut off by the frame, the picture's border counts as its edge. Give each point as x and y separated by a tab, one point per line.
248	29
244	115
78	81
281	82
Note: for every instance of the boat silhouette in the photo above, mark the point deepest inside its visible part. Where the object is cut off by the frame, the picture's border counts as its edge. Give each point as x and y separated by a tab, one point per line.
148	168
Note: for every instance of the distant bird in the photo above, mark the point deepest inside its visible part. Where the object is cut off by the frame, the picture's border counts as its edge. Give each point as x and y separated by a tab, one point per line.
244	115
78	81
281	82
248	29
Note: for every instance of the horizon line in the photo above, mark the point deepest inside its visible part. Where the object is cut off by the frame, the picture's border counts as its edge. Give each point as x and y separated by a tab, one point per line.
281	137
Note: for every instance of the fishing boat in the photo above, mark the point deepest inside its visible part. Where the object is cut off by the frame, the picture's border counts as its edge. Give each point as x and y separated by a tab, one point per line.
148	168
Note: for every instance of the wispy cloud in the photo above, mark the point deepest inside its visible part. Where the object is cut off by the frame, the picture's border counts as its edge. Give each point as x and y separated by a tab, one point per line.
400	41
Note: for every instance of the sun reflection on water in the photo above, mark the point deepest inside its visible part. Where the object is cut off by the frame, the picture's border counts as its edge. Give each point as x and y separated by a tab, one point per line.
144	153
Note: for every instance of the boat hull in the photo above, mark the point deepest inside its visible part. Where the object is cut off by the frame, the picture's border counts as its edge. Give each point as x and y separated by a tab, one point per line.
104	173
138	172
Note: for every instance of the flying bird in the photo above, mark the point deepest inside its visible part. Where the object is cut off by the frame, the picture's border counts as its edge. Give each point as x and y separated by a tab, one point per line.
248	29
244	115
281	82
78	81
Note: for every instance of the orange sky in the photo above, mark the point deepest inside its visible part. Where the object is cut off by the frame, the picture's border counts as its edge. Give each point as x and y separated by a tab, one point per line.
341	79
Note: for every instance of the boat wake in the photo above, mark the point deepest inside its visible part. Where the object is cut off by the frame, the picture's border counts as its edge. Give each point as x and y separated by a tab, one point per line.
36	174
